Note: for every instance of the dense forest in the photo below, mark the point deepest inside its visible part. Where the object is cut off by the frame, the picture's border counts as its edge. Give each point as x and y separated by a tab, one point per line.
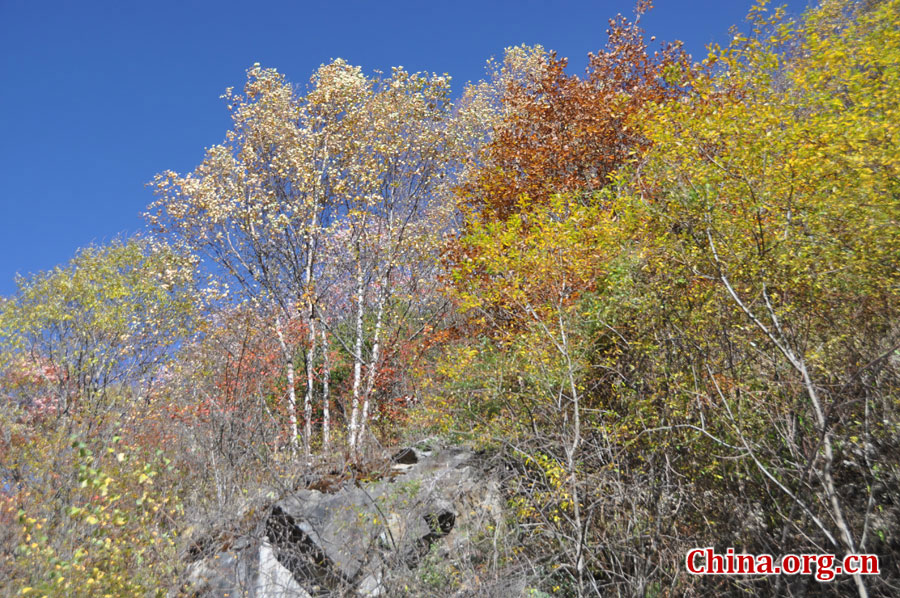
662	295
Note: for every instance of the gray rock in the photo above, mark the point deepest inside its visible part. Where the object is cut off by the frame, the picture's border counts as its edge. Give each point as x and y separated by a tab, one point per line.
274	580
226	574
353	540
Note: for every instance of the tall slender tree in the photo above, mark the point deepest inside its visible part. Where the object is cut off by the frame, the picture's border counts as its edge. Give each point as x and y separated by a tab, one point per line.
328	194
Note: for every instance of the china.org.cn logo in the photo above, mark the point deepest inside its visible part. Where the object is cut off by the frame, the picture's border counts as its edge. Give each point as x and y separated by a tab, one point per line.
706	561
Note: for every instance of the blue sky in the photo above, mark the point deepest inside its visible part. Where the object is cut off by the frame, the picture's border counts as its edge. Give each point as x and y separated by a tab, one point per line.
97	97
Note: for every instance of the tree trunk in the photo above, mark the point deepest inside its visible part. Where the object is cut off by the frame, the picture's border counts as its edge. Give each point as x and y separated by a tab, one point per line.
309	294
289	374
307	400
373	363
326	401
357	357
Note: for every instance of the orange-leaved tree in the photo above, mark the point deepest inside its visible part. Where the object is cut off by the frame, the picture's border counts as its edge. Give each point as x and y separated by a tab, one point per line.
561	133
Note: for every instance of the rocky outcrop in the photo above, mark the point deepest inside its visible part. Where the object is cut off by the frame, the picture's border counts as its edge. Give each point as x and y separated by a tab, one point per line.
355	538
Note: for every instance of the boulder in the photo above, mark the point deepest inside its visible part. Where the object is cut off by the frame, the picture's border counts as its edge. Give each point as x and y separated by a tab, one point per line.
352	539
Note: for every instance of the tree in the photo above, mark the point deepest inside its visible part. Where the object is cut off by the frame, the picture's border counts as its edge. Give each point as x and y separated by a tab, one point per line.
552	134
99	328
560	133
767	212
729	319
256	203
349	171
84	350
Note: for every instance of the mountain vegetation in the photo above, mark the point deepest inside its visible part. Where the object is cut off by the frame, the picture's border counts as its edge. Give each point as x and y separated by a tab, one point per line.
664	294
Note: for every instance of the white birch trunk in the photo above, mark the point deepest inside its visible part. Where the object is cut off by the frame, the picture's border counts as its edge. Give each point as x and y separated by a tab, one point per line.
326	400
311	323
310	379
357	357
289	374
379	319
372	366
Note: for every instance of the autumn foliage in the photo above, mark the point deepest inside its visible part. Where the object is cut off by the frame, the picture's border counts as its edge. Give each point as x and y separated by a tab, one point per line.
563	133
661	297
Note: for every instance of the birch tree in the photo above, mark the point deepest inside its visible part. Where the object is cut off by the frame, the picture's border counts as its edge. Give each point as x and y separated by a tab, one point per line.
255	205
392	212
313	199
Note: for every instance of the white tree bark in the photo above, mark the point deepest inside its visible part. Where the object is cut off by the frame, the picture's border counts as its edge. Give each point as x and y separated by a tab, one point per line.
310	381
289	374
326	400
357	357
373	363
311	323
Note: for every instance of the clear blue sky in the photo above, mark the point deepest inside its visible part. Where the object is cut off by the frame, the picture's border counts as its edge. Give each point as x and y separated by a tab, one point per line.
97	97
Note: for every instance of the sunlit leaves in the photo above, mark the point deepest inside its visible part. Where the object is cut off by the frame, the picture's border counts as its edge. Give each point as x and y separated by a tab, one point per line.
102	323
560	133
